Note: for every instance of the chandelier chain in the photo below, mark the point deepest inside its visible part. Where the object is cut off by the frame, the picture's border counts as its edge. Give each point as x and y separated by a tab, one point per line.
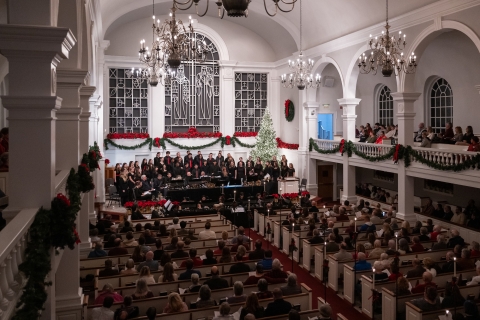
301	26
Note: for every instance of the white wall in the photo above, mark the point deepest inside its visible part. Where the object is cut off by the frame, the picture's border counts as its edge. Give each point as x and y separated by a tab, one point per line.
242	43
330	96
454	57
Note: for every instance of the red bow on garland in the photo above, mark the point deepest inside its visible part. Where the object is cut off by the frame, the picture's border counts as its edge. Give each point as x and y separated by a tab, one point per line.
342	144
228	140
395	155
157	142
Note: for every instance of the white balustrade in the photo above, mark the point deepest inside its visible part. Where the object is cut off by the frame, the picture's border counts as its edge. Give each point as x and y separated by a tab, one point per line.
443	156
61	181
12	254
326	144
373	150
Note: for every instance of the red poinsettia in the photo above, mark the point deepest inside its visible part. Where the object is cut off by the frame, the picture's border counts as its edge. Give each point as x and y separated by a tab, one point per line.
245	134
128	205
84	165
305	193
64	199
275	195
128	136
192	133
161	203
176	203
107	162
284	145
290	195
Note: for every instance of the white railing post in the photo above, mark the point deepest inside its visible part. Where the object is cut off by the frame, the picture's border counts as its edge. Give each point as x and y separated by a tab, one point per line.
9	294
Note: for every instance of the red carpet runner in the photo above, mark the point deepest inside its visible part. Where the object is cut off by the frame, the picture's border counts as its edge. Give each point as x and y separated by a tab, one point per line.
338	305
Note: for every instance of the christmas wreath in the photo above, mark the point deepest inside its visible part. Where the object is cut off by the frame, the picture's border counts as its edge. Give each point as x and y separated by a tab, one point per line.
289	110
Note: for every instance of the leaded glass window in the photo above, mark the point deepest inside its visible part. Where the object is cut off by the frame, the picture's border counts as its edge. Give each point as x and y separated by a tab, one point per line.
192	99
441	105
250	100
128	109
385	106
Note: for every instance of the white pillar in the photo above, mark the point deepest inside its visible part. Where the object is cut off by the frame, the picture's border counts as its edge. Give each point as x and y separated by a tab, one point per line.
478	88
404	103
311	111
227	94
348	106
157	113
99	175
32	104
69	82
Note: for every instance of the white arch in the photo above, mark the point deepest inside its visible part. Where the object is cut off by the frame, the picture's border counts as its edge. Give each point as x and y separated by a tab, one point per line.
351	78
215	38
318	67
422	41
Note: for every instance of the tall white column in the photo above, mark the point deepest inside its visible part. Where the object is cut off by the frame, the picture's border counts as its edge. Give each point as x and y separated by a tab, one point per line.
478	88
404	104
349	116
227	105
157	113
96	104
311	111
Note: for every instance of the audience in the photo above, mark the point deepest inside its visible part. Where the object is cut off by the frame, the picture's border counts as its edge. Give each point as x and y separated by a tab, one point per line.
179	253
175	304
108	291
149	262
427	282
292	287
104	311
168	275
325	312
127	309
207	233
224	310
210	259
145	275
362	263
195	286
188	273
276	272
192	253
109	270
141	290
97	251
267	260
258	253
215	282
205	300
238	295
430	300
263	292
278	306
253	307
118	250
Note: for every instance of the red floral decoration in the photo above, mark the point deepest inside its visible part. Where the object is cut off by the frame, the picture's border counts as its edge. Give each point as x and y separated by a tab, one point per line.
107	162
305	193
245	134
77	237
192	133
128	205
228	140
275	195
341	146
64	199
176	203
128	136
284	145
84	165
161	203
290	195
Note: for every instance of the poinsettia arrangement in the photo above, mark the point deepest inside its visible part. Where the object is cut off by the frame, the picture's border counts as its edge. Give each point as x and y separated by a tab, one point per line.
245	134
131	135
107	162
192	133
290	195
284	145
275	195
305	193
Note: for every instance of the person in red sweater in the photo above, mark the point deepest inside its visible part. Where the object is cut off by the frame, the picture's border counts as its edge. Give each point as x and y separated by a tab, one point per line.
196	260
427	282
436	231
474	145
417	246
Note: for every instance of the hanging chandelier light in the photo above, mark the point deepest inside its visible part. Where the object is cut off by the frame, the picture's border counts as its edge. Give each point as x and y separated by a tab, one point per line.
300	75
387	55
235	8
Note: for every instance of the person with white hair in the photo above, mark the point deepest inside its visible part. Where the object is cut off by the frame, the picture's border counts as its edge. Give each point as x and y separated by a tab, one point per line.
238	295
437	229
455	239
440	245
392	247
362	263
292	287
377	251
325	312
476	279
475	249
385	260
378	274
276	272
195	286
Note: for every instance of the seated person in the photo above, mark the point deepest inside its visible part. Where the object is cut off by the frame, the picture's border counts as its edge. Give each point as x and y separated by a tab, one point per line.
175	304
215	282
362	263
97	252
252	309
149	262
205	300
207	233
192	253
263	292
239	267
104	311
195	286
278	306
179	253
118	250
427	282
256	254
127	309
142	291
292	287
210	259
465	263
224	310
378	274
108	291
276	271
316	237
417	246
108	271
188	273
430	300
238	295
267	260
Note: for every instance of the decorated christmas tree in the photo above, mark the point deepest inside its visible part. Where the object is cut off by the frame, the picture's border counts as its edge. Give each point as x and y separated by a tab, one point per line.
266	144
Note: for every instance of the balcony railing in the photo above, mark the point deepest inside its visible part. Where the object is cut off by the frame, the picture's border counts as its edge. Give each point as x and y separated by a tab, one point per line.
444	157
373	150
12	253
326	144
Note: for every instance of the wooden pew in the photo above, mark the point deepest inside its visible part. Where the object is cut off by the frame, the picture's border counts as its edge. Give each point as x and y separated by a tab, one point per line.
191	218
414	313
367	286
304	300
390	301
308	253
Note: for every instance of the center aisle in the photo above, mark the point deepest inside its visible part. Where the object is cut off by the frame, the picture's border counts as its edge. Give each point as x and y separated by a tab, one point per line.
338	305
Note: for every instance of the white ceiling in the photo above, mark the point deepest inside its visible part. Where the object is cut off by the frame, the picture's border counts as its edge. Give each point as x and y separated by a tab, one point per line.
323	20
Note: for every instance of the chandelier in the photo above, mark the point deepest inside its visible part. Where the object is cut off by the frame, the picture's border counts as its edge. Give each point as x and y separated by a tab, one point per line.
300	75
387	55
234	8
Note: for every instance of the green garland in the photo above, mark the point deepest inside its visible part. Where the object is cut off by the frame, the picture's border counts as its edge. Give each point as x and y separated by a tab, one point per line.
352	149
473	163
52	228
313	145
148	141
240	143
291	110
173	143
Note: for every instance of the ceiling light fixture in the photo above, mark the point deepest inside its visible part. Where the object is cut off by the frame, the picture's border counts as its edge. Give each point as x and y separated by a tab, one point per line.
387	55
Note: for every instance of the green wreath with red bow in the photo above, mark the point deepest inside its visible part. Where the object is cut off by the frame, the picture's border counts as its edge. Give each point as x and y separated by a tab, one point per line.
289	110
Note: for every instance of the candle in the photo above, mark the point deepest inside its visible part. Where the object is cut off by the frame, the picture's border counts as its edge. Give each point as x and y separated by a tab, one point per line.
234	194
324	250
447	314
373	278
396	241
248	204
454	266
264	186
355	224
268	213
323	206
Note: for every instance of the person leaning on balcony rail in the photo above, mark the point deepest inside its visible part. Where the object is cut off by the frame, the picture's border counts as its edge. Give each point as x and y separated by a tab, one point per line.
474	145
426	142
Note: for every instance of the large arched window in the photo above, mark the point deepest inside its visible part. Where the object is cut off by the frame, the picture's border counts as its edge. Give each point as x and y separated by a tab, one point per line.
193	97
384	106
441	105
